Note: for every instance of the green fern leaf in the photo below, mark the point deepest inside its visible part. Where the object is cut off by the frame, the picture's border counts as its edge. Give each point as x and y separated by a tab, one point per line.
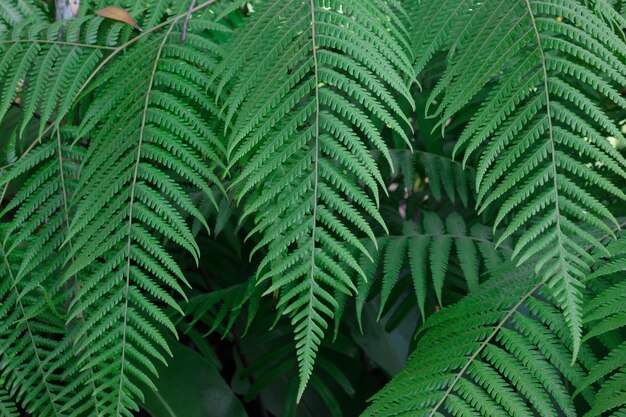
306	81
7	406
33	362
605	319
129	200
426	248
504	350
535	150
34	238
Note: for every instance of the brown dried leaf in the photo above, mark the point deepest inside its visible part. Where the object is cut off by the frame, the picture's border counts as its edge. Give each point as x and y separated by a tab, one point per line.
119	14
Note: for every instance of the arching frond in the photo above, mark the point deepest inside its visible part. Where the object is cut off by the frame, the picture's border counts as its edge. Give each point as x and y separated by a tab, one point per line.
99	217
313	83
46	70
31	360
32	244
504	351
150	132
540	133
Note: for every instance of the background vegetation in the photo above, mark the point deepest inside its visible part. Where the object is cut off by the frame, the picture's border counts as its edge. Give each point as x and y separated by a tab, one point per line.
313	207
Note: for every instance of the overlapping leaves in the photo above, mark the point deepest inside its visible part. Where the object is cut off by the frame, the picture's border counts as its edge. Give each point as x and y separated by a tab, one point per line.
85	245
540	137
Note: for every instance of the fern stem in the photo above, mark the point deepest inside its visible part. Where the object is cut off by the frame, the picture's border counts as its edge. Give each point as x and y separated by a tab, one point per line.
317	135
315	188
562	250
183	36
74	279
130	209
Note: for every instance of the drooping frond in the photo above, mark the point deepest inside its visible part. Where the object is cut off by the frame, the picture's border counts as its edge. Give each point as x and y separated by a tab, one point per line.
41	207
503	351
426	250
539	137
45	66
31	361
605	319
150	131
314	82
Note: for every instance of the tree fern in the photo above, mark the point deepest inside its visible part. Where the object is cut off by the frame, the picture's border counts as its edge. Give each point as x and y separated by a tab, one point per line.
278	123
308	80
532	140
127	200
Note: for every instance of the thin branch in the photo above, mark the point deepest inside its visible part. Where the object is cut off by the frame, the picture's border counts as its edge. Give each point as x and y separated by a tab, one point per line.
183	36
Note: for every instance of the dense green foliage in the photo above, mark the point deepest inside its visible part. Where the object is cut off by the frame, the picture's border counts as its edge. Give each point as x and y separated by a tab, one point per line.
298	195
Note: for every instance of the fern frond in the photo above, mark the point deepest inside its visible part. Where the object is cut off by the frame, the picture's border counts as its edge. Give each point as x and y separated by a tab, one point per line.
309	81
504	350
32	360
126	196
426	249
605	319
35	234
12	12
536	151
47	70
